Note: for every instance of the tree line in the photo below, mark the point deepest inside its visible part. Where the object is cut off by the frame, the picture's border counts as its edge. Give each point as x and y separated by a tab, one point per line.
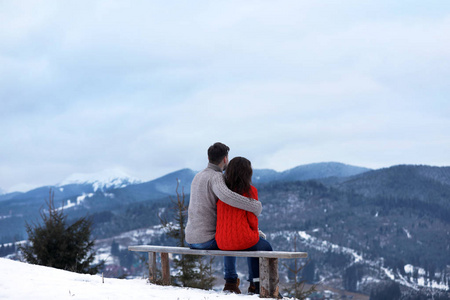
7	249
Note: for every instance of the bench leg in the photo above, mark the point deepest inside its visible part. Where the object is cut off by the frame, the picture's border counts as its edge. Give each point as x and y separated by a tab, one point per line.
268	277
152	267
165	269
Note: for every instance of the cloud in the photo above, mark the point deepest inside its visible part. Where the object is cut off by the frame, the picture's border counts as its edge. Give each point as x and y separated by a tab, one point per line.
148	86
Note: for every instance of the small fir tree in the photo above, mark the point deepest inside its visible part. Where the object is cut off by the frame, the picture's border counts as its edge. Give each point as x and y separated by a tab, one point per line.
54	243
115	248
194	271
352	276
386	290
298	290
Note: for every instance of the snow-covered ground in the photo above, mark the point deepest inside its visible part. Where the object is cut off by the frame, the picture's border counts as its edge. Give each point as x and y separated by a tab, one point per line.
325	246
24	281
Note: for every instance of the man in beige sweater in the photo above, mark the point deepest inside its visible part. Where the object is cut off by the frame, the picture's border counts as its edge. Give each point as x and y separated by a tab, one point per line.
207	187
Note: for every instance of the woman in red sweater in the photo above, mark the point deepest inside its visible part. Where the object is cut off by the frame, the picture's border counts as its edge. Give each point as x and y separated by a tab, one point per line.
237	229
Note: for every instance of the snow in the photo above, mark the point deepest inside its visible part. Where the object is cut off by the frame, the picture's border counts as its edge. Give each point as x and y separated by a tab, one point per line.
79	200
104	179
305	236
407	233
24	281
68	205
409	269
389	273
325	245
421	281
22	187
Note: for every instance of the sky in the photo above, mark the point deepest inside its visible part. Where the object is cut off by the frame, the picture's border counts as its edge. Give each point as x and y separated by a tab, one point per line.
146	87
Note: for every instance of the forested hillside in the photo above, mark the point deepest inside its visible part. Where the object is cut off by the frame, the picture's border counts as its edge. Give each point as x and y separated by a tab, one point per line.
387	224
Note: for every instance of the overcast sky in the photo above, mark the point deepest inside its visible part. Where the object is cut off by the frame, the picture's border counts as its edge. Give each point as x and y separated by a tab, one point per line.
147	86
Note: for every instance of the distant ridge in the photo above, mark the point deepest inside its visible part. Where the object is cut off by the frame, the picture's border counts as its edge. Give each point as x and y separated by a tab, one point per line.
403	181
116	178
323	170
309	171
163	186
167	183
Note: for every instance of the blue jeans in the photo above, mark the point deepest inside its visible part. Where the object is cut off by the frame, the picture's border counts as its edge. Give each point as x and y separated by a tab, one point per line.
253	262
229	262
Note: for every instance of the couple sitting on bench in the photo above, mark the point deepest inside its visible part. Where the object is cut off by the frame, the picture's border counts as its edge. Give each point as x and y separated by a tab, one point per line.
222	214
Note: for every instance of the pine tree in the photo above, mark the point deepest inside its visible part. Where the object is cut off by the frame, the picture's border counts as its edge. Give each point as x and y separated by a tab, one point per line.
352	275
193	270
115	248
386	290
298	290
55	243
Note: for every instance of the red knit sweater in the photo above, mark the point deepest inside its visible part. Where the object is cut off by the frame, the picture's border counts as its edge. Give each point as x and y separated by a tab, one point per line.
236	229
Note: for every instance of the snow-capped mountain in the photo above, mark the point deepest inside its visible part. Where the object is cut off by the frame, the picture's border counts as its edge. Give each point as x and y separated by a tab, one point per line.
110	178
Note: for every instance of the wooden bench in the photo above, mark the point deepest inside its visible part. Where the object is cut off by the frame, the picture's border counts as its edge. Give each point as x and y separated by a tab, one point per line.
268	263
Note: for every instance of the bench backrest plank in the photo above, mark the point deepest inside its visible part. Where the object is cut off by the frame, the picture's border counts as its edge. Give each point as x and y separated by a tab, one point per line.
184	250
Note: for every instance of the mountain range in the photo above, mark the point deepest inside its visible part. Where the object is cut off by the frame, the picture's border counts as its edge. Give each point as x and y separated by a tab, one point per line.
112	190
359	226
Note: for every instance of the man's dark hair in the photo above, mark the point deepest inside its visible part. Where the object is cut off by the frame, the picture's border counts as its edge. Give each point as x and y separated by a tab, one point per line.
217	152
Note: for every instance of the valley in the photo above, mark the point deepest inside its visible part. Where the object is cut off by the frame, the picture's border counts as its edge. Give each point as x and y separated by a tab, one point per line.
361	230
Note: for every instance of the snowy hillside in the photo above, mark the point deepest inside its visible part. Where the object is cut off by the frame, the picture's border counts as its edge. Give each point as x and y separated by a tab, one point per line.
358	257
24	281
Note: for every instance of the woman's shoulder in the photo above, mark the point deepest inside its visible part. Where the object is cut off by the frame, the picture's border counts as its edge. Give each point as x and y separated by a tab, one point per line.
253	192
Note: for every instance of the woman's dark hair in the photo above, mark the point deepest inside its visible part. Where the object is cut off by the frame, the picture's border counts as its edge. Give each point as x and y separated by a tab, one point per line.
238	175
217	152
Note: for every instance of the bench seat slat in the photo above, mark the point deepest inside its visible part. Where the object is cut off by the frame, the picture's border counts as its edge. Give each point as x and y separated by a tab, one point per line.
184	250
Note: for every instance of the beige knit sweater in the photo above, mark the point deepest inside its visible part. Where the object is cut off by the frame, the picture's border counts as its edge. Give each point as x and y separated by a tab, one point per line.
207	187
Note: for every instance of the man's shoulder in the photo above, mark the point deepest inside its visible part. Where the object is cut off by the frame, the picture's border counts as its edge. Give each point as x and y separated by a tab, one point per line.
205	176
215	176
208	172
201	174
